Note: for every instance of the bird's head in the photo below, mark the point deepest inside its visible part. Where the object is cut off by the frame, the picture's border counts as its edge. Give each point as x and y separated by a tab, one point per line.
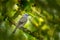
25	15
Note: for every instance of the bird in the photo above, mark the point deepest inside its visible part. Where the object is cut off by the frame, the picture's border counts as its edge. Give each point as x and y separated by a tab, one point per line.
21	22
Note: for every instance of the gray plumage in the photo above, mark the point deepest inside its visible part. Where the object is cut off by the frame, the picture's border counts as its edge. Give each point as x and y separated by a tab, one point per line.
21	22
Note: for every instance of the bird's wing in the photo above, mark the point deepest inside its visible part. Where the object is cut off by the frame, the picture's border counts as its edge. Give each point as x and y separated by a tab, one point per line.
22	21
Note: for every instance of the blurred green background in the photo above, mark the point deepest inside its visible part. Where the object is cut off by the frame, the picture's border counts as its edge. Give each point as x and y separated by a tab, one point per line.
43	21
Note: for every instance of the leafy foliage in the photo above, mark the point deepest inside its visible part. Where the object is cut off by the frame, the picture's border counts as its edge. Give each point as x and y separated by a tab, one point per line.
43	21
